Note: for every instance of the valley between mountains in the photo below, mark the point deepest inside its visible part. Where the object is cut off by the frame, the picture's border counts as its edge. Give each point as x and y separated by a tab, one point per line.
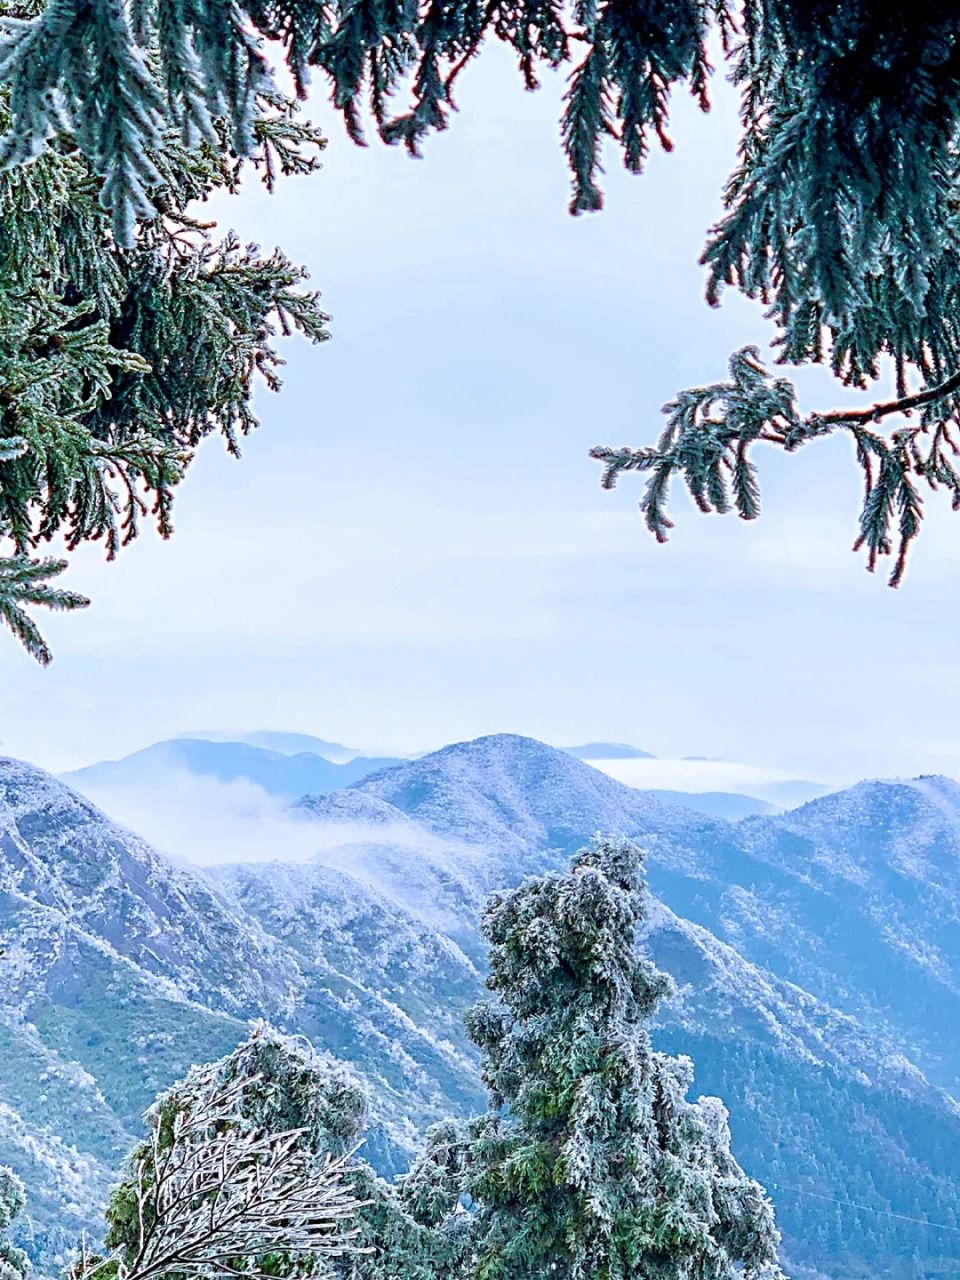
816	954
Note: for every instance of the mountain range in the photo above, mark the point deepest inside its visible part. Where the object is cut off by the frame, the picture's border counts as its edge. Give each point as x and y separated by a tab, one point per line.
816	955
286	766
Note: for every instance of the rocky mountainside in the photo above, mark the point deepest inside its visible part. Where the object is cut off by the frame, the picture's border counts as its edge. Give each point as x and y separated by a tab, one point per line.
857	1149
121	969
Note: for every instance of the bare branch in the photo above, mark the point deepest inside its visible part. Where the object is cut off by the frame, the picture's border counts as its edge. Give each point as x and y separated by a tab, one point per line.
843	417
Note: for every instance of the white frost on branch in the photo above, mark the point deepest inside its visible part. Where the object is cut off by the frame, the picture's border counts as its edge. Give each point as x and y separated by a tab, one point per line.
211	1198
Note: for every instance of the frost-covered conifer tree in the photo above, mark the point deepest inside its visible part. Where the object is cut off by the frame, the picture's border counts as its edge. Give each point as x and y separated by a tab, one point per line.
244	1171
592	1164
280	1085
116	362
13	1261
433	1195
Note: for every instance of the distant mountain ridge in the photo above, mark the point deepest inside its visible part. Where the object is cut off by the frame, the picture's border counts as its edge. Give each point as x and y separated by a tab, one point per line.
287	744
885	856
767	885
608	751
719	804
278	774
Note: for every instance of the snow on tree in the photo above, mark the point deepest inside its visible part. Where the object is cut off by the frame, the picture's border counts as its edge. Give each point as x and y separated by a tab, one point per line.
841	214
591	1163
286	1082
13	1261
115	365
281	1085
230	1179
431	1195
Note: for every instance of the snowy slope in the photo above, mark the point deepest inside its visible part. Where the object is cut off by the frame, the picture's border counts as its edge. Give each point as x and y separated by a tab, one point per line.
72	878
857	1149
856	897
883	855
839	1008
120	970
515	797
342	931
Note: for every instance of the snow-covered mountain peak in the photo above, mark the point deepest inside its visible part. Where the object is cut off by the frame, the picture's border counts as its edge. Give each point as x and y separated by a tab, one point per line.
513	794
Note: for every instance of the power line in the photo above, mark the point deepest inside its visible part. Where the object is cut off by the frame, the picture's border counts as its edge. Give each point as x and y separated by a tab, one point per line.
852	1204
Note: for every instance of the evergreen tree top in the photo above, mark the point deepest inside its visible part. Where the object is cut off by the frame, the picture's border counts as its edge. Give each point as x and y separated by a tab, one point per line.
568	943
592	1163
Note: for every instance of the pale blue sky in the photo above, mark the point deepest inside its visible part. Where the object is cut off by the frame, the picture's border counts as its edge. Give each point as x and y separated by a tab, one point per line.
415	547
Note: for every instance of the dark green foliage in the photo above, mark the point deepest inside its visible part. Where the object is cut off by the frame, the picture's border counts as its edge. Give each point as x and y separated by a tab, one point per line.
841	215
26	582
285	1085
115	364
431	1196
193	62
711	430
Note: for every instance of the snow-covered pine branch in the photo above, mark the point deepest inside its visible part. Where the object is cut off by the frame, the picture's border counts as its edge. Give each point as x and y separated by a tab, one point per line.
213	1198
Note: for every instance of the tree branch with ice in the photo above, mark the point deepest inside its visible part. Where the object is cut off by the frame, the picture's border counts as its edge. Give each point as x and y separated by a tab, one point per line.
210	1197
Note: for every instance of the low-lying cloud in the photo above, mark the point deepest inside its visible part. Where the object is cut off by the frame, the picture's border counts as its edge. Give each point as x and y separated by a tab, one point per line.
778	786
202	821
